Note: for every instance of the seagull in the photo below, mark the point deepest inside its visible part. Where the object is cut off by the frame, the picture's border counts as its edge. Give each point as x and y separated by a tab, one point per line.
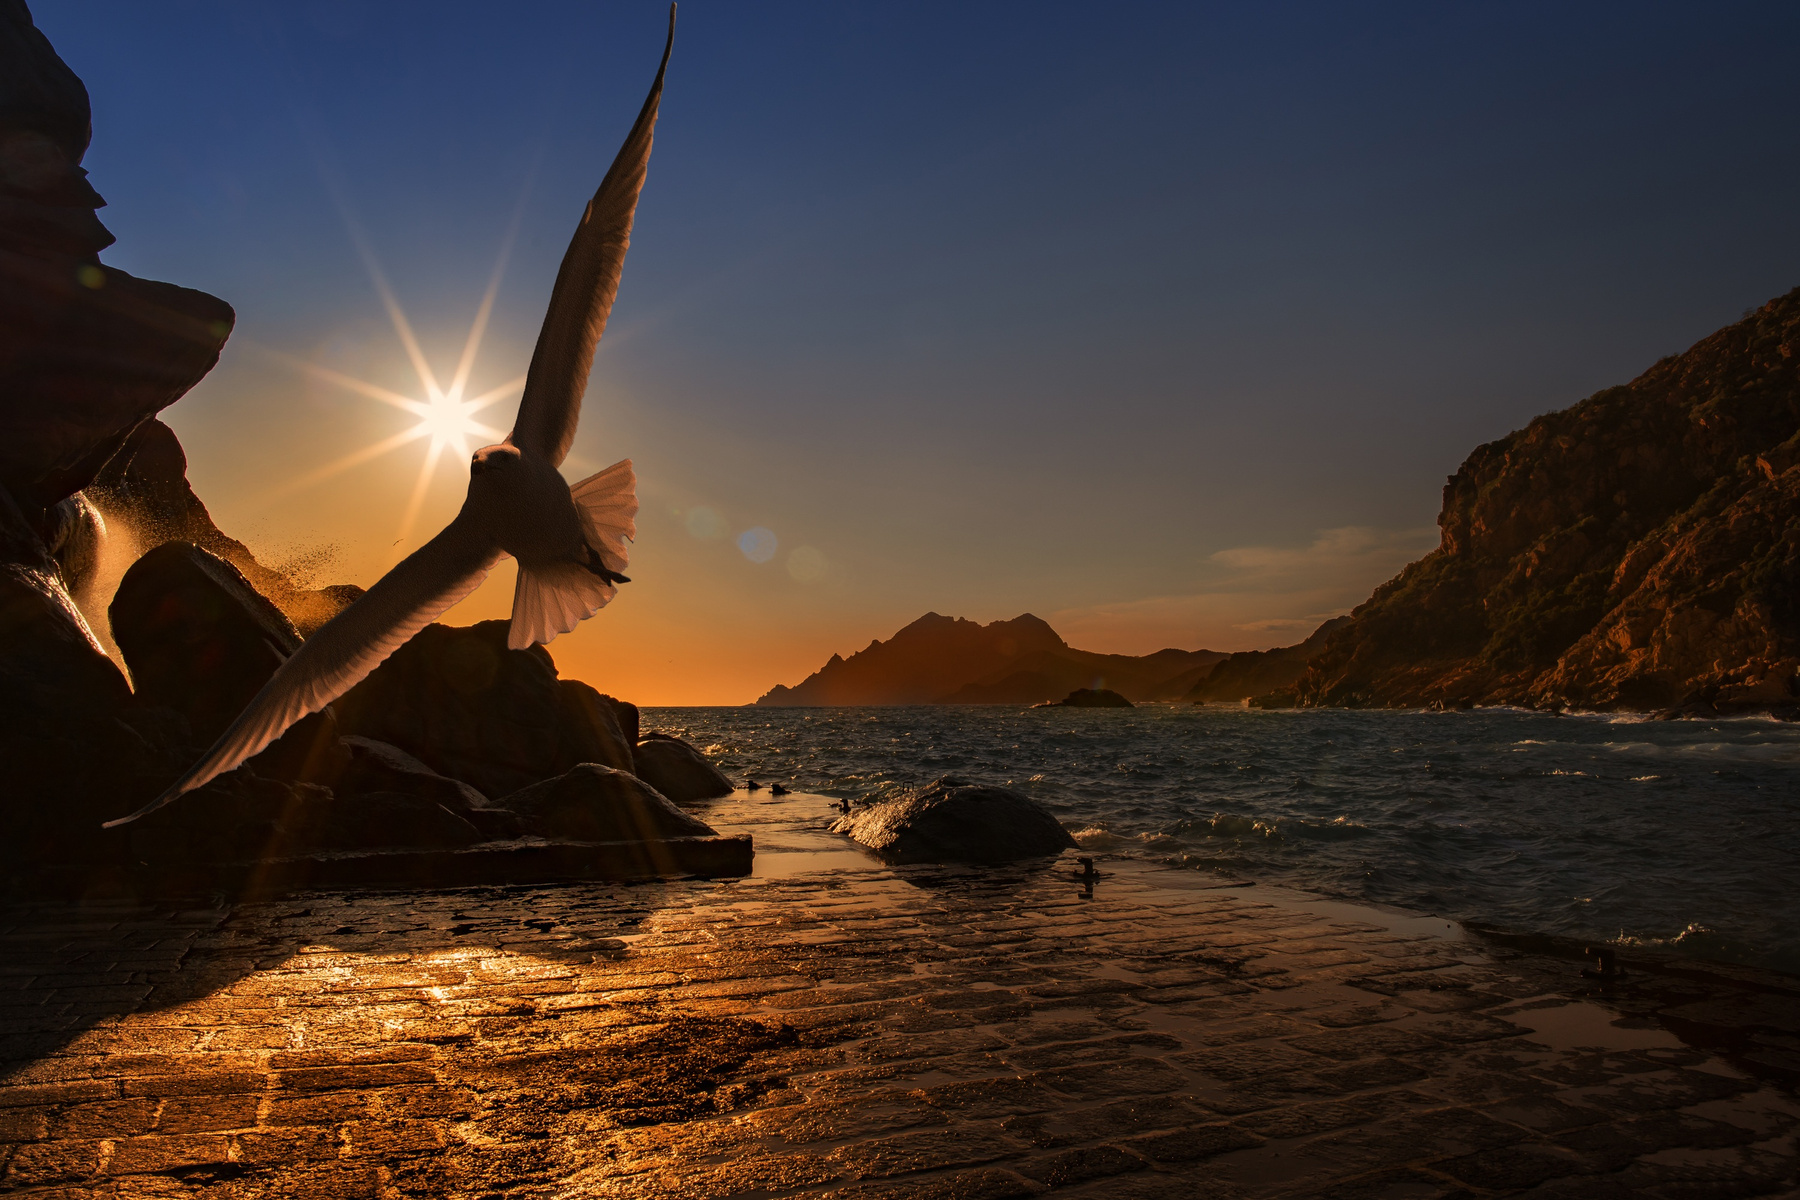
569	540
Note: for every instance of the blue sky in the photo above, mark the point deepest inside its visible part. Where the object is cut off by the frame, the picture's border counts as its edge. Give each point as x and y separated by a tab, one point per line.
1165	322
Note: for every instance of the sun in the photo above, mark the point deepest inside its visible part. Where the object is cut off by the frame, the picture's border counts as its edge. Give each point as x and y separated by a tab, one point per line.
446	416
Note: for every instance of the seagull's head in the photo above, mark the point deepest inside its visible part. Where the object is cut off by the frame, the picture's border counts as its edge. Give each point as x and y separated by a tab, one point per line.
501	460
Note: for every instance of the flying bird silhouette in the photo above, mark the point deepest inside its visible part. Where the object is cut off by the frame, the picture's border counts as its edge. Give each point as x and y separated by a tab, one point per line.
569	540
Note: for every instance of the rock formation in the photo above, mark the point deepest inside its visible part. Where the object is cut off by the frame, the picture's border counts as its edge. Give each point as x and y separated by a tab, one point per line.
954	820
394	782
677	770
457	699
87	354
1640	550
944	660
591	803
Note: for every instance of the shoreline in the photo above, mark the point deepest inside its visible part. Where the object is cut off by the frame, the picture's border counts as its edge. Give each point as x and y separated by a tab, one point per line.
857	1030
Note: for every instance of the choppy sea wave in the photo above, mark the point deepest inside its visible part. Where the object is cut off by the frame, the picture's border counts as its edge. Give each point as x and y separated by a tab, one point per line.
1682	834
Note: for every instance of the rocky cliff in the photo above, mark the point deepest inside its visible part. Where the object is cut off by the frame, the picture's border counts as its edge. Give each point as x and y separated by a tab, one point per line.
1640	550
946	660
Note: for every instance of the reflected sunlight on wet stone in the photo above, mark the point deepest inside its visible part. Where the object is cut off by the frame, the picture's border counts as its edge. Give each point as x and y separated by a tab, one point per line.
877	1031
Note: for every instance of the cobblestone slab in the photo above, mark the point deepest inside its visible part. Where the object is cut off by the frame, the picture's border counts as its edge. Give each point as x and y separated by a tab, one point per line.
879	1032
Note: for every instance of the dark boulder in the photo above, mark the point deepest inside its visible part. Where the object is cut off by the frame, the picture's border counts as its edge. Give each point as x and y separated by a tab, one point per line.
953	820
196	636
51	668
242	817
593	803
378	767
1091	698
677	770
461	702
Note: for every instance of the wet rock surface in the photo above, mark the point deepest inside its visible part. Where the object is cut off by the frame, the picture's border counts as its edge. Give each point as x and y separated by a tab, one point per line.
677	770
894	1032
954	820
592	803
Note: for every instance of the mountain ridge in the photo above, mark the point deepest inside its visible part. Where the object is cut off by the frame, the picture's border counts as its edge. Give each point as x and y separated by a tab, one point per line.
950	660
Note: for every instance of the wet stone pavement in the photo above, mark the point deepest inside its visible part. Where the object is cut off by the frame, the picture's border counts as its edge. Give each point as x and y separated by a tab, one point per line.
831	1027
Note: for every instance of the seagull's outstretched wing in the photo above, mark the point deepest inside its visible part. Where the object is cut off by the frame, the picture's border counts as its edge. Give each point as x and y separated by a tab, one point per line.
584	291
345	649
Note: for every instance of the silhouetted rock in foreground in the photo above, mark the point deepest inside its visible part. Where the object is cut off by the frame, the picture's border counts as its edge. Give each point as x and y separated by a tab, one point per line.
1090	698
598	804
461	702
197	637
677	770
88	355
1640	550
953	820
245	818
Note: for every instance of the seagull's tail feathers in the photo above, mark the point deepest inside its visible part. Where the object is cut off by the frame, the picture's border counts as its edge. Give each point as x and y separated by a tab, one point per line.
553	598
607	504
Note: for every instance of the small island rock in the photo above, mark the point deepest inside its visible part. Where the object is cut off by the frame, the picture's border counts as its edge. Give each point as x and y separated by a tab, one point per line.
677	770
953	820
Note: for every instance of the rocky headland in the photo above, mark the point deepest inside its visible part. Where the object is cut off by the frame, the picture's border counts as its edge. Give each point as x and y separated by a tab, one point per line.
1638	551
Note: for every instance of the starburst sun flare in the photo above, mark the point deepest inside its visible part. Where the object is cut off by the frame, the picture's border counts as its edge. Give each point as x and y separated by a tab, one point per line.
446	416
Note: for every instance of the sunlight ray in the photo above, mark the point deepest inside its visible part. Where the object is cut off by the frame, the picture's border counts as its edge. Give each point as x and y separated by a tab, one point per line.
495	395
339	465
415	501
479	329
361	387
402	327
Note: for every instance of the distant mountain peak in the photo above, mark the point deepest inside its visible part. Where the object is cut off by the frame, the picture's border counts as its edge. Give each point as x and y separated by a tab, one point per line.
937	659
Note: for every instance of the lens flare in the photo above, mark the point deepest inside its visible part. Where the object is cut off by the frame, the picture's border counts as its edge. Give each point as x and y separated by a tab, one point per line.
704	522
758	544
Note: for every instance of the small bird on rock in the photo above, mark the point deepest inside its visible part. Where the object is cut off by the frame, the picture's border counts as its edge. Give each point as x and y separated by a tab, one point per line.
569	540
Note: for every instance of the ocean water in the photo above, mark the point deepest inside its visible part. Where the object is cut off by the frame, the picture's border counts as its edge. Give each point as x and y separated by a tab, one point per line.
1683	834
